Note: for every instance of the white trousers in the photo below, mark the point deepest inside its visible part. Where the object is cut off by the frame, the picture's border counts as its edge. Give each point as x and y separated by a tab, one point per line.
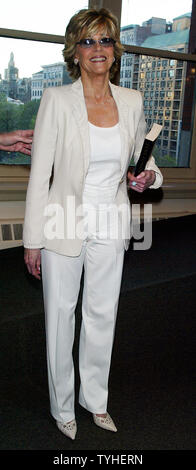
102	260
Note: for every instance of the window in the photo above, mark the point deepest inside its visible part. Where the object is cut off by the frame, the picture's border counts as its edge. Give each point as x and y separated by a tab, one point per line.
164	108
55	19
23	117
163	19
171	73
178	73
182	117
175	114
128	62
166	133
127	73
33	72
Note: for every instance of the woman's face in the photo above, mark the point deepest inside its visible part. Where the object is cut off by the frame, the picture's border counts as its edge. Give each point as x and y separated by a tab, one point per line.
97	59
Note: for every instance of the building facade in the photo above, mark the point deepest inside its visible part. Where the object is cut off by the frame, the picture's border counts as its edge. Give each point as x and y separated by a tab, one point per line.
136	35
162	84
18	89
51	76
27	89
10	78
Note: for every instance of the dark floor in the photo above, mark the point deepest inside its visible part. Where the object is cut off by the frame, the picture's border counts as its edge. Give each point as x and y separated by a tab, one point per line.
152	381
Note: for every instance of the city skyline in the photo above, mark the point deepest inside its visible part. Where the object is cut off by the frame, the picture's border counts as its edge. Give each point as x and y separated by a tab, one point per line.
31	55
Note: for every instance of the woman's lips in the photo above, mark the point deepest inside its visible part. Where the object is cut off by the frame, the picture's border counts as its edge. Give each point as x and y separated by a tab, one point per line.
98	59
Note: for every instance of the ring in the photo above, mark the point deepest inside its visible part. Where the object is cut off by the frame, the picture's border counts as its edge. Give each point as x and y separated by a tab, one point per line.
133	183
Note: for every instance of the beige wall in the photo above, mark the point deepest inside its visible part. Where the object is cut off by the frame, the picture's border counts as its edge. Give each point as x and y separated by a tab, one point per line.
12	213
182	23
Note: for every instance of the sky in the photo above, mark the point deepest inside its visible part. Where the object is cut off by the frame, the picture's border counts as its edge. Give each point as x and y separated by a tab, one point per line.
137	11
41	16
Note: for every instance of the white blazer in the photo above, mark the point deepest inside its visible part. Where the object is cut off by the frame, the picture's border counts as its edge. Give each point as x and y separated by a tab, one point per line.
61	144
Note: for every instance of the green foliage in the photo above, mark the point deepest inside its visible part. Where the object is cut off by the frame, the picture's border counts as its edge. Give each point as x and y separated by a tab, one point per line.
166	161
10	115
160	160
13	117
12	158
3	97
28	115
163	160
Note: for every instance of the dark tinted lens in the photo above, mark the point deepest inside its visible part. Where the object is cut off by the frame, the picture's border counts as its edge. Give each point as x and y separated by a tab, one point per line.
87	42
107	42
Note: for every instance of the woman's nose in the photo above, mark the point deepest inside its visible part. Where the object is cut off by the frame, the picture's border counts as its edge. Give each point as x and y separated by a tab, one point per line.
97	45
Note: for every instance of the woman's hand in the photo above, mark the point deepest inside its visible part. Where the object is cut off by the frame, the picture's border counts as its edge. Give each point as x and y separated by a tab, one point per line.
32	259
17	141
142	181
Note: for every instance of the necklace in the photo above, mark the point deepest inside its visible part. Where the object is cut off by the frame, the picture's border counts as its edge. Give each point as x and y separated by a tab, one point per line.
106	101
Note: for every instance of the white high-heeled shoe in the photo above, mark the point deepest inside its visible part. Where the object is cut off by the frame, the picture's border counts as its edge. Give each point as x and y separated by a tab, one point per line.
68	429
105	423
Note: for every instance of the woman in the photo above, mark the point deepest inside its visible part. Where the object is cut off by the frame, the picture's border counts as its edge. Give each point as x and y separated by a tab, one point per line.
87	132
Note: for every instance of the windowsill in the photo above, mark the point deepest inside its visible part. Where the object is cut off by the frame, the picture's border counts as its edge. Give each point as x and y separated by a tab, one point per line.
171	189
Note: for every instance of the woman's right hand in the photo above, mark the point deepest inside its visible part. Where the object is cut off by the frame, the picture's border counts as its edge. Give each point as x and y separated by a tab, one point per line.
32	257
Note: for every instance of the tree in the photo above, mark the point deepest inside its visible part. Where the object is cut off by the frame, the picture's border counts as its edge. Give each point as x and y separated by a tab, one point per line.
14	117
28	115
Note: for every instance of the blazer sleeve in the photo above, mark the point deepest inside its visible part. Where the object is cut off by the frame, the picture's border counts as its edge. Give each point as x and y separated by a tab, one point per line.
139	140
43	153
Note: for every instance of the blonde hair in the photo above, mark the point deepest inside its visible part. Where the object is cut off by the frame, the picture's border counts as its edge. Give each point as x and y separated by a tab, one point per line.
86	23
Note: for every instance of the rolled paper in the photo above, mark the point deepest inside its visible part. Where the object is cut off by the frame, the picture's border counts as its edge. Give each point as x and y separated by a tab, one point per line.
147	148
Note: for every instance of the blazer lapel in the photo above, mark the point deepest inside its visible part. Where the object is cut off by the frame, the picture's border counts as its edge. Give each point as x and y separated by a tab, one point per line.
81	117
123	125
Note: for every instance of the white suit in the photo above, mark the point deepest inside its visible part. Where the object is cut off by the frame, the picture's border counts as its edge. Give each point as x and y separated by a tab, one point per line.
62	138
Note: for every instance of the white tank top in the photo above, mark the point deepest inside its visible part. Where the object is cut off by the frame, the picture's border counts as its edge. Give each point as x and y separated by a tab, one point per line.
105	146
102	180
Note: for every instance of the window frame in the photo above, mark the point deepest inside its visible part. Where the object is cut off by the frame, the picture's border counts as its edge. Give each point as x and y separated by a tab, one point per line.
178	182
14	178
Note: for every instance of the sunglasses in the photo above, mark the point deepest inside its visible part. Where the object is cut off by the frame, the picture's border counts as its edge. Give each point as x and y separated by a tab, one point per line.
87	43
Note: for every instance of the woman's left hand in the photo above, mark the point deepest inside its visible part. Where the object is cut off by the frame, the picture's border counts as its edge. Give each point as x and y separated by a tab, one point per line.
142	181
